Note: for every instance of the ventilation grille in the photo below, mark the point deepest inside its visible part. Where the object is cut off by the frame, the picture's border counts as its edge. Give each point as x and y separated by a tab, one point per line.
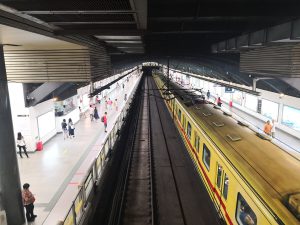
234	137
227	114
207	114
263	136
61	65
243	123
218	124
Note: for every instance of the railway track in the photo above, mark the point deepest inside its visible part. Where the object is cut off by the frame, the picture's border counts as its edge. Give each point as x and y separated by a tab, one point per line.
160	184
138	205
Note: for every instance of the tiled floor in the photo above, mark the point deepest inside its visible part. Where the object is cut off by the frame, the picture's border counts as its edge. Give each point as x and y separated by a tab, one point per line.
61	164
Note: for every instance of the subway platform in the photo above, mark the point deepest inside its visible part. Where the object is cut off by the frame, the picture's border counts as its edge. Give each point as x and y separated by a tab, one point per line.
56	173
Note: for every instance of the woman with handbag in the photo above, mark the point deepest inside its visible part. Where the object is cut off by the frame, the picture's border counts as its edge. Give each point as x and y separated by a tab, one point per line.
21	145
28	200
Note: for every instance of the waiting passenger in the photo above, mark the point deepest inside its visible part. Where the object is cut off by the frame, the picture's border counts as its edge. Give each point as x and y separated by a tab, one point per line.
208	94
96	115
116	104
273	130
219	101
268	128
64	128
21	145
91	110
28	200
104	121
71	128
109	103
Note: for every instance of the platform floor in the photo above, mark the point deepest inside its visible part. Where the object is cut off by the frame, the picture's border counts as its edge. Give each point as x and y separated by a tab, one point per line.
55	173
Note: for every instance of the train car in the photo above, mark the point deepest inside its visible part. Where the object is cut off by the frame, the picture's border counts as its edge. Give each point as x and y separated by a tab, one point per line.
250	180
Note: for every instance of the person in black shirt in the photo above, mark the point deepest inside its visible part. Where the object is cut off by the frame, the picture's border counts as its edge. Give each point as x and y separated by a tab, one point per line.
64	127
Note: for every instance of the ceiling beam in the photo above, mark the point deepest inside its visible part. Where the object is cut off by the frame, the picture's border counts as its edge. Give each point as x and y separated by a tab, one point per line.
214	18
140	6
116	32
91	22
72	12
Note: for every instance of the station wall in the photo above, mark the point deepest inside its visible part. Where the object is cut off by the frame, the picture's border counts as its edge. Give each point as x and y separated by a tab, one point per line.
283	101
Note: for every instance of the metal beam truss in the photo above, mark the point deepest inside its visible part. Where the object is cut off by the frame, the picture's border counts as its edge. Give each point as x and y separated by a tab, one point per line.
283	33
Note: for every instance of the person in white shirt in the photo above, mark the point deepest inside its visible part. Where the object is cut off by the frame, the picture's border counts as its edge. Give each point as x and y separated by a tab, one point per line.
273	128
91	110
21	144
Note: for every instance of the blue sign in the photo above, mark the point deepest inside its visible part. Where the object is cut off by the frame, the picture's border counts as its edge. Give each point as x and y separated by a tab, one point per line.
229	90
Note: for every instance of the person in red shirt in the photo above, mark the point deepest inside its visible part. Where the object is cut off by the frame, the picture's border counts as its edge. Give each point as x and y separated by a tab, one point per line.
219	102
28	200
104	120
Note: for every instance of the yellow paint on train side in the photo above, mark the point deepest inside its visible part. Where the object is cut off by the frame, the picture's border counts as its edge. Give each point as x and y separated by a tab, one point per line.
256	169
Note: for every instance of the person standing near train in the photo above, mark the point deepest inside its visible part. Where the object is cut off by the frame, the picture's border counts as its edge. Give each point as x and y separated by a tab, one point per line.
104	121
208	95
268	128
96	115
273	130
219	102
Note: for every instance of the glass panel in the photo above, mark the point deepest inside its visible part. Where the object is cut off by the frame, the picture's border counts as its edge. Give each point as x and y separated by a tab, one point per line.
98	164
226	96
189	130
291	117
269	109
206	156
244	214
219	176
88	185
237	97
69	219
106	147
251	102
226	185
78	206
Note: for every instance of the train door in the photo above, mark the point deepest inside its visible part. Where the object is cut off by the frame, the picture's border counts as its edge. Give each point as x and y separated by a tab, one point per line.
222	186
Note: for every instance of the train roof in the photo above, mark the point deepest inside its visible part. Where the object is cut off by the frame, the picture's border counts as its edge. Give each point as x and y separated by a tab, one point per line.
265	165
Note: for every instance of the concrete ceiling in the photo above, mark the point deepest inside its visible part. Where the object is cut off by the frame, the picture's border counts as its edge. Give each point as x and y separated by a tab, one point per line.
17	39
143	29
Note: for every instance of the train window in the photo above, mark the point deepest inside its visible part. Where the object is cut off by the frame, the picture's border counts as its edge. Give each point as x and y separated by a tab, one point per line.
179	115
197	142
206	156
244	214
225	187
183	122
219	176
189	130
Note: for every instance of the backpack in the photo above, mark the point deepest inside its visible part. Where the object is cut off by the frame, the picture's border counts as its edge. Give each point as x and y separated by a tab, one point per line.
102	119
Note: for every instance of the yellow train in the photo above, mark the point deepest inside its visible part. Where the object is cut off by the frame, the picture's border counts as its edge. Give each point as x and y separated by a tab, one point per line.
250	180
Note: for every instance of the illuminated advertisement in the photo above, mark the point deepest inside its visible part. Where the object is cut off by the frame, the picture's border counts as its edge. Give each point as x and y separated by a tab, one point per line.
46	123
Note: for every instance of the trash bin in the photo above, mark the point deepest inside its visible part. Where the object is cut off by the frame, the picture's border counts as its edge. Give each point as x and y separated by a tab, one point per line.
39	146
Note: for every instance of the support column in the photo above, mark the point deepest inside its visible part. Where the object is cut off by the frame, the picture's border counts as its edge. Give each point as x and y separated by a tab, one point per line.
10	188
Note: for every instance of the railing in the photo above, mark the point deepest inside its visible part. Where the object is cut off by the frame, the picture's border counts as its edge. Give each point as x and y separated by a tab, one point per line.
79	204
